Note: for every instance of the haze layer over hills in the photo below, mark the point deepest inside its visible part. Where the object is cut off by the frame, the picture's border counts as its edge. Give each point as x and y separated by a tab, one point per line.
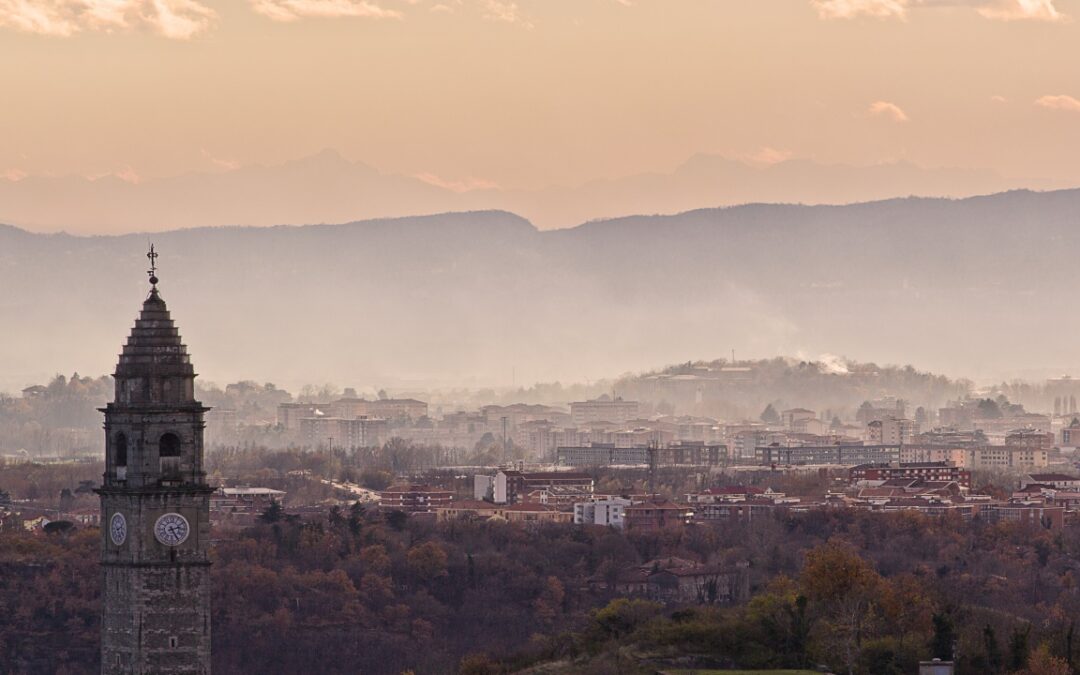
485	298
327	188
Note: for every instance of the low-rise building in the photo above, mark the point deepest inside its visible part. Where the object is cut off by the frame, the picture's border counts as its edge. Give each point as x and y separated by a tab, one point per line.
467	510
603	409
838	455
656	515
562	497
1030	438
510	486
932	471
601	512
1007	458
790	418
360	432
602	454
385	408
890	431
244	499
413	498
1070	435
1058	481
290	414
682	453
511	513
1042	515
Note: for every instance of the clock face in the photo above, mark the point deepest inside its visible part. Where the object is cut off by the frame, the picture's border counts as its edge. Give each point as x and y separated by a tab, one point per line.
118	529
172	529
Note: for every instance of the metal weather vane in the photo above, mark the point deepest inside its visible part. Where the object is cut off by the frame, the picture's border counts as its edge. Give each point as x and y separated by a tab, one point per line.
152	256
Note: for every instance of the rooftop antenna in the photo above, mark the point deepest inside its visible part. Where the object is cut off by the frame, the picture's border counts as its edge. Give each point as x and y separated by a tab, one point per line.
651	491
505	444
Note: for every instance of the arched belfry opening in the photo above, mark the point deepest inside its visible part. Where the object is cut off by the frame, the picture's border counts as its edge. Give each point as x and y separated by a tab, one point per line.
121	446
169	446
120	456
169	456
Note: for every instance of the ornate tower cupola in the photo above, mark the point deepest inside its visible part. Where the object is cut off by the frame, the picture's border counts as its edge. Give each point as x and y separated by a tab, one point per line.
154	506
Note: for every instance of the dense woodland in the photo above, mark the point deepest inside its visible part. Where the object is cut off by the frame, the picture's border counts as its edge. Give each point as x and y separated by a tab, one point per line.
363	591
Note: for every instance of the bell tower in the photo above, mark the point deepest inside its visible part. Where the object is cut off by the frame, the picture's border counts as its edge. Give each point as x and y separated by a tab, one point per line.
155	506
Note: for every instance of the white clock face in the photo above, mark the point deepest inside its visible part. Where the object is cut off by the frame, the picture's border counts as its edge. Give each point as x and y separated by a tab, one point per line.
118	529
172	529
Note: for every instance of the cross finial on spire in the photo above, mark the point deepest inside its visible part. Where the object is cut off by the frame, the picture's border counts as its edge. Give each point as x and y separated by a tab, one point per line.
152	256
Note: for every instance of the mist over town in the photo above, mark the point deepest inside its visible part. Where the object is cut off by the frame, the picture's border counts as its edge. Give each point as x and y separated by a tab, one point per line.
539	337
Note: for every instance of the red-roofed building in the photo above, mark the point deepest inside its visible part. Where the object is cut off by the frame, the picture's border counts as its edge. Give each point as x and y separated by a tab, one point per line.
656	516
1058	481
512	513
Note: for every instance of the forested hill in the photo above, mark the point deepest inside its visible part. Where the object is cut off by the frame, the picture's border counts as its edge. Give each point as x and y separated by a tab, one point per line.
485	298
834	387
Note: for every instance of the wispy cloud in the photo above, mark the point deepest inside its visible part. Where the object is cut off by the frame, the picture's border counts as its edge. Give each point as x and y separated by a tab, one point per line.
1001	10
1013	10
175	19
291	10
849	9
888	109
505	11
1059	102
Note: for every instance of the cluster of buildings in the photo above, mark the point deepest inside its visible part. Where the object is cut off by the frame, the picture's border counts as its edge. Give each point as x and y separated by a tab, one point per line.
348	422
931	488
613	431
1014	442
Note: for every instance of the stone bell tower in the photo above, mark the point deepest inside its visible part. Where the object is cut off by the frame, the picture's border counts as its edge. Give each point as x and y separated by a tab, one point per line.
154	506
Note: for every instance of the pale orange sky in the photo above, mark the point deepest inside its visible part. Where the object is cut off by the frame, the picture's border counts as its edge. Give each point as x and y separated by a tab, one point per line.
536	92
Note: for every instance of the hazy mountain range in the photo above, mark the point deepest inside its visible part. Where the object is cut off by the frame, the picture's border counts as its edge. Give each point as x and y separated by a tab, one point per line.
326	188
980	287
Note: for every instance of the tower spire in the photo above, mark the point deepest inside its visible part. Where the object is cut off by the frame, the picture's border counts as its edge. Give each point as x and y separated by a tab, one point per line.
155	500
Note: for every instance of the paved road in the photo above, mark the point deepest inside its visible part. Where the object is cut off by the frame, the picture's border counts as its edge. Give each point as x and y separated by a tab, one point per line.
362	493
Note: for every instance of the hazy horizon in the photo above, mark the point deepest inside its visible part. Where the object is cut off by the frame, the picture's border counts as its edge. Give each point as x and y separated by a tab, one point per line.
495	104
484	299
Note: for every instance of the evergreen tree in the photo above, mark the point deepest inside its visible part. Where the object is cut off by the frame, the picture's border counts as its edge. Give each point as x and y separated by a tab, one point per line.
769	415
1019	648
941	645
273	513
994	658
